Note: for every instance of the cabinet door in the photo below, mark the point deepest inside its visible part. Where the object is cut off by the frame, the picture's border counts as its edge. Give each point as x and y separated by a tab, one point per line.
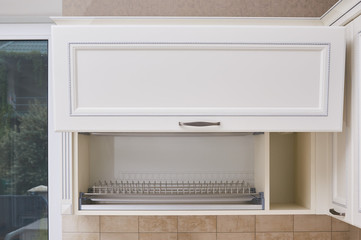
357	160
156	77
345	182
357	192
342	144
340	205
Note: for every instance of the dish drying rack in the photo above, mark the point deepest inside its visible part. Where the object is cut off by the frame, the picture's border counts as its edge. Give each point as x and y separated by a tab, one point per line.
171	195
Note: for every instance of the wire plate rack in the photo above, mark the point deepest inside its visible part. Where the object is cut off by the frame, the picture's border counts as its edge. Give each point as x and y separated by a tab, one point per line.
171	195
172	188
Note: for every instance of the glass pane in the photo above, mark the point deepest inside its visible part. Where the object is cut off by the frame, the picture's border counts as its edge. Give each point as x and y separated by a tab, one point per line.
23	140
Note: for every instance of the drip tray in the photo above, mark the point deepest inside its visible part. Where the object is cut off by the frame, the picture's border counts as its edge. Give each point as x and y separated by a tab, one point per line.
90	201
169	207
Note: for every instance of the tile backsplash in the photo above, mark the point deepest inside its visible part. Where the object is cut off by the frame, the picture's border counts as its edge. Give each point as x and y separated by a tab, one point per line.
260	227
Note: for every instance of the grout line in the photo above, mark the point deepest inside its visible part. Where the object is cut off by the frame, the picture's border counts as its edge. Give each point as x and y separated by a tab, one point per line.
255	224
99	233
331	226
177	226
216	226
255	227
293	229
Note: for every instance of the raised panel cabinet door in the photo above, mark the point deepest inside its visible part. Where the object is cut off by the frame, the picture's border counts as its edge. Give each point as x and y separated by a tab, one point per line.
346	144
156	77
356	189
341	202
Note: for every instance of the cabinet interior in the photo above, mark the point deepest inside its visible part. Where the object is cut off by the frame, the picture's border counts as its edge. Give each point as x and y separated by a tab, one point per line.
170	157
278	164
290	171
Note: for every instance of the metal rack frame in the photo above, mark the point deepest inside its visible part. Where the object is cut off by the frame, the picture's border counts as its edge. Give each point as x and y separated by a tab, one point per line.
171	195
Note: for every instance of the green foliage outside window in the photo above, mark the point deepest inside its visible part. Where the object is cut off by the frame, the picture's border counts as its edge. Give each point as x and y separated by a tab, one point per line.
23	134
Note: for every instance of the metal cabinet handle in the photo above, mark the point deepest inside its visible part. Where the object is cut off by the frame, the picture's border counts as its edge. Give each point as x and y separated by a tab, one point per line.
199	124
333	212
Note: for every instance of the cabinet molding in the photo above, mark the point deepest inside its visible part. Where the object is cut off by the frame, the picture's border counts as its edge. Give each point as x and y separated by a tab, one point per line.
101	54
67	172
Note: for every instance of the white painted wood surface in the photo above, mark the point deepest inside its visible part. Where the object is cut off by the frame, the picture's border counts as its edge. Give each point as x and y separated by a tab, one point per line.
341	147
151	77
340	167
356	167
292	172
345	167
342	13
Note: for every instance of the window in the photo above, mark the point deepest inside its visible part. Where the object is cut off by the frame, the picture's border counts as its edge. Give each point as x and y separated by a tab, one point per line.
24	134
23	138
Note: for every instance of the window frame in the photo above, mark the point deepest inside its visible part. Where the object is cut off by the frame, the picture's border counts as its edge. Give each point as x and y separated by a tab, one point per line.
43	32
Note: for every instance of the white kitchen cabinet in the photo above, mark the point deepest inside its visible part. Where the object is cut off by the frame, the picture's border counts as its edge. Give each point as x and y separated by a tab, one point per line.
340	148
157	78
357	193
345	157
356	169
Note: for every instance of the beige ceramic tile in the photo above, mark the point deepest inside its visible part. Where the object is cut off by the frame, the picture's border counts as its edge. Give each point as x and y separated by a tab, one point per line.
80	236
119	236
312	236
118	223
158	224
312	223
236	223
83	224
275	236
354	233
157	236
236	236
274	223
197	224
340	235
339	226
197	236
